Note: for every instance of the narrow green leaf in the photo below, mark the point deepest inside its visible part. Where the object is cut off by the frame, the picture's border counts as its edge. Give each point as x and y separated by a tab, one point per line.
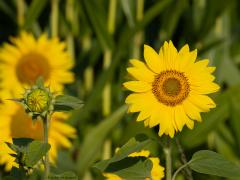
128	11
35	152
99	23
152	12
94	139
171	18
67	103
209	162
4	7
35	9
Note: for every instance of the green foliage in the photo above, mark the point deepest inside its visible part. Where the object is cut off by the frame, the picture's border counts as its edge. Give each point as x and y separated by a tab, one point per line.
67	103
34	11
93	141
128	167
210	26
209	162
28	151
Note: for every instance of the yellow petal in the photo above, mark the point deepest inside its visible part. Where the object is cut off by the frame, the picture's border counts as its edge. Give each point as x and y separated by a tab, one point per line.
137	86
142	74
191	110
202	101
152	59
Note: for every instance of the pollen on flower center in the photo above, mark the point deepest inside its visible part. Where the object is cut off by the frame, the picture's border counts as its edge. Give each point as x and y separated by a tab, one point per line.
31	66
170	87
38	100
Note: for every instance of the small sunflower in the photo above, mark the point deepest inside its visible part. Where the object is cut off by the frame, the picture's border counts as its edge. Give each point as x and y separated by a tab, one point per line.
15	123
26	58
157	172
171	89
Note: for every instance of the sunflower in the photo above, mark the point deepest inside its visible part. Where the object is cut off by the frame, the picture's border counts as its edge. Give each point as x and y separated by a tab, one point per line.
26	58
157	172
15	123
171	89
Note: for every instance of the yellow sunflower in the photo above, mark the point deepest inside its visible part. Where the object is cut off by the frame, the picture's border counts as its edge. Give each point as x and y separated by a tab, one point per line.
171	89
26	58
157	172
15	123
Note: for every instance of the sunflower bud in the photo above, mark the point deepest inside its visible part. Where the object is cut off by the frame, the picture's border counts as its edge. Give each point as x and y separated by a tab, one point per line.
38	101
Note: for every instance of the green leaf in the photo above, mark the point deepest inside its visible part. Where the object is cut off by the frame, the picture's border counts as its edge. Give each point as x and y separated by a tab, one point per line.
67	103
94	139
209	162
22	141
35	152
127	9
152	12
4	7
133	145
40	82
133	168
235	114
99	23
34	11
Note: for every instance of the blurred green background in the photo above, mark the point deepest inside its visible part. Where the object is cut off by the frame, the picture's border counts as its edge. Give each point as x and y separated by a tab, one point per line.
102	35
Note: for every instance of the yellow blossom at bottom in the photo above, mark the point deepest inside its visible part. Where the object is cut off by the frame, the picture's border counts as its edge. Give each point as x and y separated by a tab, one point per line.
157	172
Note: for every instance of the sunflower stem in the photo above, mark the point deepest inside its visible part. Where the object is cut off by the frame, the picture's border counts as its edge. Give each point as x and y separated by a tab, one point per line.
20	13
108	56
139	35
188	172
54	17
45	129
168	155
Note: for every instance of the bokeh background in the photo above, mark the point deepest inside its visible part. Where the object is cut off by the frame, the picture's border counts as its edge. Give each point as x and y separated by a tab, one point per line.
101	37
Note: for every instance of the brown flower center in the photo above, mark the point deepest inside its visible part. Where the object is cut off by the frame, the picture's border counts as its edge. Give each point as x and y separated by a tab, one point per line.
31	66
170	87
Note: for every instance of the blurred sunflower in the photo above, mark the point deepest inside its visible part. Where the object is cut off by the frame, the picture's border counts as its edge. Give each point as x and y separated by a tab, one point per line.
15	123
171	89
157	172
25	58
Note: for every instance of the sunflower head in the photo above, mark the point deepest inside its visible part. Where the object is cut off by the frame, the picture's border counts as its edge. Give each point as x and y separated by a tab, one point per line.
171	89
26	57
38	101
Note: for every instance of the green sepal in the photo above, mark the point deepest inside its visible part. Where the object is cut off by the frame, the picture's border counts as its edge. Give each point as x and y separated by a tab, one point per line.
67	103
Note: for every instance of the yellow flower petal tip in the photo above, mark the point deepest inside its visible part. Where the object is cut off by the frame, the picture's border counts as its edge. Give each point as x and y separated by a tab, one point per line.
171	89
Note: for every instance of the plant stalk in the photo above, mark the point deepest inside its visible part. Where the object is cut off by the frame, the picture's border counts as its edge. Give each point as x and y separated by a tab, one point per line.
139	35
168	155
20	13
45	129
54	18
108	56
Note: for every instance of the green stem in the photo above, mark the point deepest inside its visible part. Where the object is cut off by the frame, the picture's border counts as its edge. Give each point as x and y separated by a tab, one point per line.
54	18
108	56
45	129
167	151
20	13
139	35
178	170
